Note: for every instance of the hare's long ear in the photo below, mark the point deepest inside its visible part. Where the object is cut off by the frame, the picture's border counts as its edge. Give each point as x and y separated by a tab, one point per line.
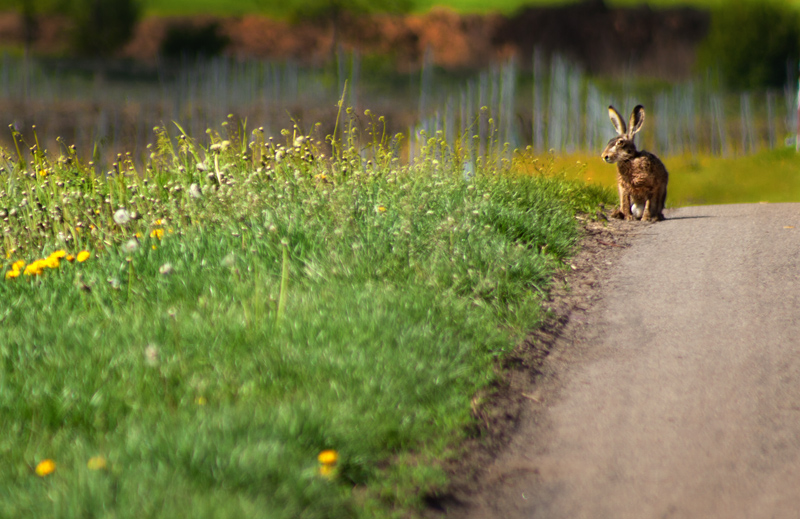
637	120
617	121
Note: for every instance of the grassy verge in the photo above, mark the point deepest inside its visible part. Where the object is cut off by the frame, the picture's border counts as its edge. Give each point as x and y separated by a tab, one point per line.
259	330
767	176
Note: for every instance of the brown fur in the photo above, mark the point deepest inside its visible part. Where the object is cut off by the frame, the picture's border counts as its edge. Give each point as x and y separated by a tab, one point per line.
641	177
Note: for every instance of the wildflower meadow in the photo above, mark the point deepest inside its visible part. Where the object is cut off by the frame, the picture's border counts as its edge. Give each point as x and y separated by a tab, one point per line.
246	326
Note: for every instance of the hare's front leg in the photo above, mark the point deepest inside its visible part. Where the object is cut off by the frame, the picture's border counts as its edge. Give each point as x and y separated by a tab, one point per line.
625	203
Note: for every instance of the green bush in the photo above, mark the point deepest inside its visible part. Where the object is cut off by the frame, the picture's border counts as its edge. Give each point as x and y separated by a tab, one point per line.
752	43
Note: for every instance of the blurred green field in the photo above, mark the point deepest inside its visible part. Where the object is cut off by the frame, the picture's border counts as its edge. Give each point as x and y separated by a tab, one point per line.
768	176
235	7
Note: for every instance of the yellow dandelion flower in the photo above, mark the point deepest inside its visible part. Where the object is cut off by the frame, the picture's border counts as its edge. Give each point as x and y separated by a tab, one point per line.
17	265
327	471
45	467
157	233
83	256
328	457
97	463
70	258
11	274
42	172
61	253
34	269
381	208
51	262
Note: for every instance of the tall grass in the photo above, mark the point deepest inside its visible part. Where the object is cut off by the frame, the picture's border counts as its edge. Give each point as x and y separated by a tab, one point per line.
251	302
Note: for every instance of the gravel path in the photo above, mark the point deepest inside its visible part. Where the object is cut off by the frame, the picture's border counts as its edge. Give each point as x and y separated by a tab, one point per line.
677	393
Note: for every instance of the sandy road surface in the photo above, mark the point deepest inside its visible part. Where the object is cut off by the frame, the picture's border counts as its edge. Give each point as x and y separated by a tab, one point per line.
681	396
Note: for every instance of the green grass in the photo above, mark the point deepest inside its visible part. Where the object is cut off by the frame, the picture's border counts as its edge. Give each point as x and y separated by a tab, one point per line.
767	176
259	309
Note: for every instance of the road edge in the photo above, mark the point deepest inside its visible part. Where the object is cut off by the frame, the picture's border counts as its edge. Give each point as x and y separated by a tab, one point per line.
524	371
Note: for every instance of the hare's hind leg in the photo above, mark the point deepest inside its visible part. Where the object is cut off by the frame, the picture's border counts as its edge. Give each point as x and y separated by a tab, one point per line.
660	199
662	202
646	211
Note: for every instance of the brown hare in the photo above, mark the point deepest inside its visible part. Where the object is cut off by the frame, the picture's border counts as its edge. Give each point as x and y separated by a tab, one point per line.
641	176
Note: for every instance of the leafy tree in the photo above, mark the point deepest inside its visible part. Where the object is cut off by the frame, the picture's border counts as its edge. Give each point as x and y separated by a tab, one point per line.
103	26
751	42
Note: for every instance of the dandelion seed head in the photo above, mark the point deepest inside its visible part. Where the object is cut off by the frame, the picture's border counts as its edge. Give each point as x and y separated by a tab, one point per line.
229	260
131	245
122	216
151	355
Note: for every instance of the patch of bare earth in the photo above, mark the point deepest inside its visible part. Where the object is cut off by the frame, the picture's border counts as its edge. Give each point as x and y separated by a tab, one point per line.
528	381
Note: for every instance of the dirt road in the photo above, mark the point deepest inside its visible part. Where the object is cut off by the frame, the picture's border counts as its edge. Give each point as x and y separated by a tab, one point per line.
677	394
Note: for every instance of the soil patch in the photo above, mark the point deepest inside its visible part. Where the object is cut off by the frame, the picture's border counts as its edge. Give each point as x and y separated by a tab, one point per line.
528	379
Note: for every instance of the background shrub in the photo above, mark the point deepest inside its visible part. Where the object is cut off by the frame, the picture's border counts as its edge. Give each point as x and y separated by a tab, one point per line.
186	40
